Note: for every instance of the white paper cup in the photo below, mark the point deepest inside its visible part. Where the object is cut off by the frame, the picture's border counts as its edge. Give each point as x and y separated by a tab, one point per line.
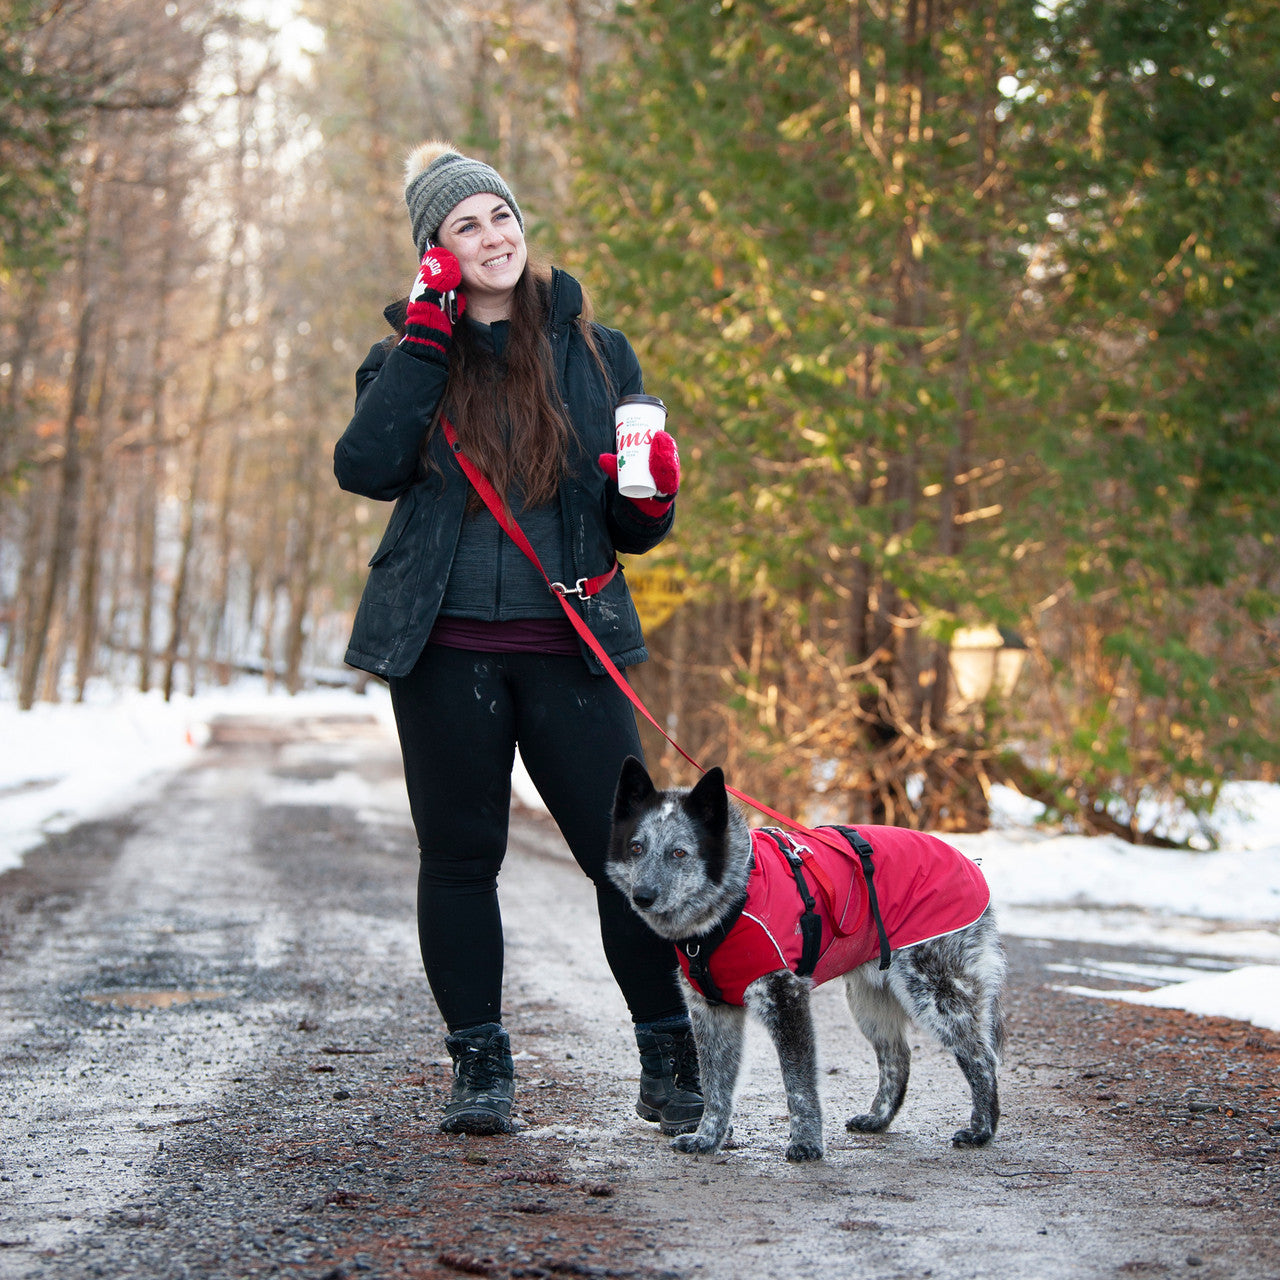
636	419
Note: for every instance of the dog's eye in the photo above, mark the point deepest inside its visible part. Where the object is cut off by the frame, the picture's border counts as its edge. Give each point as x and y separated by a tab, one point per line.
679	853
635	848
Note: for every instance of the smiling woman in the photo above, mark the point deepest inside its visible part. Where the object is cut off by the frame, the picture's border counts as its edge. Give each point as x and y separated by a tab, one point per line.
479	655
488	241
465	207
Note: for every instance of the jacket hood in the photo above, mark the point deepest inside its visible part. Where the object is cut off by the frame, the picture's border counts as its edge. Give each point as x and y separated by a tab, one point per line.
566	298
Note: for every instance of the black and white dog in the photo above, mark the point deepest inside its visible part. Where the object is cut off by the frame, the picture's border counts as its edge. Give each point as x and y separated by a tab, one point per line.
692	869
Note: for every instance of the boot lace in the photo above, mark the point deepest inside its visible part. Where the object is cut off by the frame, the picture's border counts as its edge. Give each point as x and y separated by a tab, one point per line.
686	1064
480	1066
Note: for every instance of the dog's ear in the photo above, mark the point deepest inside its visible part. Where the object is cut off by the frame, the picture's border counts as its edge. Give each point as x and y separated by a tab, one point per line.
708	806
708	802
635	787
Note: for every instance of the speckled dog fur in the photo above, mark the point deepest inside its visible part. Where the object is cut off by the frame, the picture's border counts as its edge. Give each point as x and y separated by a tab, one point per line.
682	858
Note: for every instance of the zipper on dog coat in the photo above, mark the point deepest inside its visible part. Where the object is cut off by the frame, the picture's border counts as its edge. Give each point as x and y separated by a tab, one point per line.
873	889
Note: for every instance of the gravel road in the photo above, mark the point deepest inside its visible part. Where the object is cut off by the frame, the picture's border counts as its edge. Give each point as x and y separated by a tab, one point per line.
218	1058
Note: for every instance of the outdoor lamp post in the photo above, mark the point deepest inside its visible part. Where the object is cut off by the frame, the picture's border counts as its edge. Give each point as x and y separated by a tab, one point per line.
983	660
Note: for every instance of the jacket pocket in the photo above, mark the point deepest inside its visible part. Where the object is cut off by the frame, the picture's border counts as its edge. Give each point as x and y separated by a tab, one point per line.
396	526
613	619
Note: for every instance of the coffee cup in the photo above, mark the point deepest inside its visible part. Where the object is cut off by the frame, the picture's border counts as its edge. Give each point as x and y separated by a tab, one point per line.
637	419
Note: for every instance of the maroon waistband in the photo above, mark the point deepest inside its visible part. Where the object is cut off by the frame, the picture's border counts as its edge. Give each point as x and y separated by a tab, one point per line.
520	635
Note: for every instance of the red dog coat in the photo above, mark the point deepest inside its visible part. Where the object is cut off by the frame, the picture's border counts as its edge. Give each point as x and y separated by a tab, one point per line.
925	888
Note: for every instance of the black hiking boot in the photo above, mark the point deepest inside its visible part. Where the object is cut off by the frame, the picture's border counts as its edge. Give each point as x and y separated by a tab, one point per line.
670	1090
483	1081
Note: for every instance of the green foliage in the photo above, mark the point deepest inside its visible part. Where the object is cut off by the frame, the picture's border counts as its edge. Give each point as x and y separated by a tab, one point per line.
1183	260
985	313
1173	254
38	116
824	315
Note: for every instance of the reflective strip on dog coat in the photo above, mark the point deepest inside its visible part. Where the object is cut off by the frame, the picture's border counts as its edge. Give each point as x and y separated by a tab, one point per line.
926	888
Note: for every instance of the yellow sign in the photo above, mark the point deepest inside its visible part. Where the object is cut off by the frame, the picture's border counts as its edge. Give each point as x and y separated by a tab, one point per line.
657	593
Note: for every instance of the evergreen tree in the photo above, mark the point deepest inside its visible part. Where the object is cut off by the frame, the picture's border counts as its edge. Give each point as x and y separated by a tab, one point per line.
953	332
1164	475
811	226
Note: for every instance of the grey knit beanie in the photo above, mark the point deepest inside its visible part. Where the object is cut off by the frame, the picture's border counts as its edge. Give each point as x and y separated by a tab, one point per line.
436	178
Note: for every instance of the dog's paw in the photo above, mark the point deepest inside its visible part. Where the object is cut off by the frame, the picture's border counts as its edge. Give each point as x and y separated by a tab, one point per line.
801	1152
694	1144
971	1137
866	1124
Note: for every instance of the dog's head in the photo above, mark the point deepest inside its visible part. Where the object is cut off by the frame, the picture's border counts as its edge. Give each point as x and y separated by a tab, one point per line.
679	856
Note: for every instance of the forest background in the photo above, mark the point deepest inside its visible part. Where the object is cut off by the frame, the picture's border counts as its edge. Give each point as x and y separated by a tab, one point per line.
967	317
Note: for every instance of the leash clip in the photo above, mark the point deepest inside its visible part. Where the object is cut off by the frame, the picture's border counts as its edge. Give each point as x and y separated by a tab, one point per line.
579	589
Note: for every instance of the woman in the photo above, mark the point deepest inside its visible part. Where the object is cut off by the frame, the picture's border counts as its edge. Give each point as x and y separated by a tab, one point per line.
478	653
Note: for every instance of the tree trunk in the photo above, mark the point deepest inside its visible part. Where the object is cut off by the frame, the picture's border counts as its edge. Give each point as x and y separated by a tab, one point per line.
58	570
33	539
149	495
301	562
179	603
95	501
573	67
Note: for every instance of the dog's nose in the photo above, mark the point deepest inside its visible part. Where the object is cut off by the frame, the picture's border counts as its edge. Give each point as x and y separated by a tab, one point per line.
644	896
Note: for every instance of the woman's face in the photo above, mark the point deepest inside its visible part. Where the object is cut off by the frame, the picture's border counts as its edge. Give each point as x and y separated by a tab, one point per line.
485	236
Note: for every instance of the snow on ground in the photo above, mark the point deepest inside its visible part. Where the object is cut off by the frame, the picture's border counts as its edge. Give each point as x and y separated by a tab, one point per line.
63	764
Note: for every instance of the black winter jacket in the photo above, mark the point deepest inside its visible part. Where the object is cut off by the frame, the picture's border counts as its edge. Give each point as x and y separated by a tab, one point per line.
378	457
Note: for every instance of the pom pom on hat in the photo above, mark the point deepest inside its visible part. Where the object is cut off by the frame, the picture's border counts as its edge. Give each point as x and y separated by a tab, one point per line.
421	158
437	177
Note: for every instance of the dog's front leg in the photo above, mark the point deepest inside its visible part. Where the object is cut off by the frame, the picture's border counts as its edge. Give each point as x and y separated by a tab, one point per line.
781	1001
718	1033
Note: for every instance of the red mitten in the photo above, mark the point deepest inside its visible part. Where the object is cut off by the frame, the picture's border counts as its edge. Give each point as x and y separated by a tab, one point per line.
664	464
664	467
428	330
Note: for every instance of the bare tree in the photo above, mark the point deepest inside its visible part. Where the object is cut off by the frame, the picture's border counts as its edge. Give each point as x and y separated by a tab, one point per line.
48	596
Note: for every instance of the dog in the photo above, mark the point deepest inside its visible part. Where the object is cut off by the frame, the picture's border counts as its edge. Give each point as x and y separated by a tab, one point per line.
689	865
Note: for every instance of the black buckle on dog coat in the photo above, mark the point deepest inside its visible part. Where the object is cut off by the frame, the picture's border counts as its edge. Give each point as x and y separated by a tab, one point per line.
810	920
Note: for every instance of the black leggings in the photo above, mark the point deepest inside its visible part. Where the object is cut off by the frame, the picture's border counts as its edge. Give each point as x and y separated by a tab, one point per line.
460	715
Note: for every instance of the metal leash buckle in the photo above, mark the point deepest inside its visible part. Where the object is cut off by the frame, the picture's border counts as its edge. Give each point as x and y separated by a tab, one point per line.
578	590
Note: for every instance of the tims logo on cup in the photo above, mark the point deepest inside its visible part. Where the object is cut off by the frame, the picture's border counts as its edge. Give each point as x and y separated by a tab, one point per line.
636	419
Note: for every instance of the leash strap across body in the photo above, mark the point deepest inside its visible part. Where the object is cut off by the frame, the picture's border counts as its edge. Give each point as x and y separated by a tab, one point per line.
584	588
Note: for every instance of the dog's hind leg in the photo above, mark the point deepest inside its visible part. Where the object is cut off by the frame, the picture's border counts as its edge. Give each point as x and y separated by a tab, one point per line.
781	1001
951	987
880	1017
718	1032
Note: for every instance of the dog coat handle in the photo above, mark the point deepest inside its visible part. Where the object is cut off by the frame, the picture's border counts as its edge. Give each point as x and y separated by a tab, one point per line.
864	851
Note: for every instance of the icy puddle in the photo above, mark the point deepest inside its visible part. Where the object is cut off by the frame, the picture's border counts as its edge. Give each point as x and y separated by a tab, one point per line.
151	999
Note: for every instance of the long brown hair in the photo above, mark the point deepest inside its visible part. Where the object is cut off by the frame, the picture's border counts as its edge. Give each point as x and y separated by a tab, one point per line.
507	412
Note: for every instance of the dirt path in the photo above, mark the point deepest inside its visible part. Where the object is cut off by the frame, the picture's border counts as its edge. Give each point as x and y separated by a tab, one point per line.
218	1058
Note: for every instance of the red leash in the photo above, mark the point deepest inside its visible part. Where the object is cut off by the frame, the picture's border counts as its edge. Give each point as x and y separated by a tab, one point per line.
588	587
